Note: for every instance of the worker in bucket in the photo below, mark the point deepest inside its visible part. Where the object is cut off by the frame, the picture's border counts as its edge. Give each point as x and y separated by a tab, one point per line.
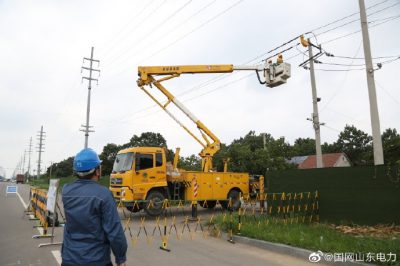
93	227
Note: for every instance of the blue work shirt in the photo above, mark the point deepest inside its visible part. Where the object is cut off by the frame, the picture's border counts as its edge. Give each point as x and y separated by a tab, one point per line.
92	225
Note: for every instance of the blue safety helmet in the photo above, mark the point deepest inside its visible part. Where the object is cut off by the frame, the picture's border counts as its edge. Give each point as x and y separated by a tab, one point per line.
86	160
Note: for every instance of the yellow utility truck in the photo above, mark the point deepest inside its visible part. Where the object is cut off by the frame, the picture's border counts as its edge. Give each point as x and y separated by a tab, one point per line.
142	178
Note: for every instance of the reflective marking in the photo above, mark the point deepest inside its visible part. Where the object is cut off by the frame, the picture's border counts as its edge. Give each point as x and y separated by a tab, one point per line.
57	256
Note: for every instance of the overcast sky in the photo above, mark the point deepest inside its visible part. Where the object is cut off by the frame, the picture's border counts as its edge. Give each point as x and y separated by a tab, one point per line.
43	43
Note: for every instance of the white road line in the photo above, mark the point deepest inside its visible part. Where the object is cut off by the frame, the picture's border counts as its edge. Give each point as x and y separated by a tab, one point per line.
56	253
22	201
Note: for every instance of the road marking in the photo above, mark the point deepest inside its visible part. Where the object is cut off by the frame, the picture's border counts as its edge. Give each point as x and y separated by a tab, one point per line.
57	255
22	201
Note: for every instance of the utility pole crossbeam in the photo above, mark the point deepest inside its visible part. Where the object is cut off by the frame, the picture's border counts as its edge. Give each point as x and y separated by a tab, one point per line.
86	127
40	149
373	104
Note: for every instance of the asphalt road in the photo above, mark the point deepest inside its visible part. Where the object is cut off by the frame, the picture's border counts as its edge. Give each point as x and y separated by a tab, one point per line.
17	247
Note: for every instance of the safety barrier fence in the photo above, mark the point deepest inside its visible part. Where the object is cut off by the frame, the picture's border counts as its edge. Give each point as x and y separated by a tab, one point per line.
179	220
37	208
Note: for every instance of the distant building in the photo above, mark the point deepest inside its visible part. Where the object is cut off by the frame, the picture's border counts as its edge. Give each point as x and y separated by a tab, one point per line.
329	160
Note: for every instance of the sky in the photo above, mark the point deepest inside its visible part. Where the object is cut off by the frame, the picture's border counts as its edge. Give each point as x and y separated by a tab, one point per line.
43	44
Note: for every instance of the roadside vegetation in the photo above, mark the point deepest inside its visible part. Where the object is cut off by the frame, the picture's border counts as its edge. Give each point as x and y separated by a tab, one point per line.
319	236
256	153
43	182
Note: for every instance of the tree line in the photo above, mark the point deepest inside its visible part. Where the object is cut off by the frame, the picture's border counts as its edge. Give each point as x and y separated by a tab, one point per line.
257	153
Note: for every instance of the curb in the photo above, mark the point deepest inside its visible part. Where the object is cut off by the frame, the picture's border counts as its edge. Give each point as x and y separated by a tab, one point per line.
286	249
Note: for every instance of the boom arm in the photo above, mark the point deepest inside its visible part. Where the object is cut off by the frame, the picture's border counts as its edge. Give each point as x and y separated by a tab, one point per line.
275	74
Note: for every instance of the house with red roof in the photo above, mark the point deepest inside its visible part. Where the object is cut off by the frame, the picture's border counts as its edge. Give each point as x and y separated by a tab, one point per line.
328	160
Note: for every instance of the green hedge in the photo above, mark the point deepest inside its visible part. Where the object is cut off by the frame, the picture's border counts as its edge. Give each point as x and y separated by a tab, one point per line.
361	195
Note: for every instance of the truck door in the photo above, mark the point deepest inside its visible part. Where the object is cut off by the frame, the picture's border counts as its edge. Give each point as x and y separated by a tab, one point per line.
147	171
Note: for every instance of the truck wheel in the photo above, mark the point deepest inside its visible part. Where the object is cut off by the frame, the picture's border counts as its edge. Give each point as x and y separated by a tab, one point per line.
209	205
157	198
133	208
233	197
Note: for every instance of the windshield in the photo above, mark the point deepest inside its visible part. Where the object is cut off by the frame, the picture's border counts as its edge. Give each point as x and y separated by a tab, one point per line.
123	162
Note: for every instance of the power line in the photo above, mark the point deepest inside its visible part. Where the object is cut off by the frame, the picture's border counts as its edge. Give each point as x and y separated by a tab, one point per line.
339	70
331	128
355	20
346	17
152	30
384	19
389	94
183	36
357	31
195	29
148	16
361	58
219	78
342	83
177	26
115	39
274	49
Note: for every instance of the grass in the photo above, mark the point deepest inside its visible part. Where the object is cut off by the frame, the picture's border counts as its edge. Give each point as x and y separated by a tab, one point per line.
315	236
43	183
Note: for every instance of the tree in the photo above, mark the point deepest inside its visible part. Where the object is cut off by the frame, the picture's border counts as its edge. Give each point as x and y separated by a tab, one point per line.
356	144
249	154
63	168
304	147
391	146
108	157
190	163
146	139
330	148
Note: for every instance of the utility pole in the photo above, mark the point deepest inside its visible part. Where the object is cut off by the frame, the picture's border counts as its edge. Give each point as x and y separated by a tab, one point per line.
23	163
29	159
86	128
264	141
40	149
314	116
51	168
373	104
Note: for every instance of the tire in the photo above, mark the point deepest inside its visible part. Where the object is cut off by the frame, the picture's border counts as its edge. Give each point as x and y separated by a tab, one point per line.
157	199
209	205
233	196
134	208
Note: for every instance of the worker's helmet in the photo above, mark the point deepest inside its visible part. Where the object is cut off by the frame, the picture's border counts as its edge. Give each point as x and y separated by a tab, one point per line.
86	161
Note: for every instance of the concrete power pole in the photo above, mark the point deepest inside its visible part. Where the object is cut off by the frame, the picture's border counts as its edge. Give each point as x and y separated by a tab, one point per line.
315	115
373	104
86	128
29	159
23	163
40	149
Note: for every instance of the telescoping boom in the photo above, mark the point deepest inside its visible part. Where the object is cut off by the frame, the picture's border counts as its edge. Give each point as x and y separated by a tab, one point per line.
274	74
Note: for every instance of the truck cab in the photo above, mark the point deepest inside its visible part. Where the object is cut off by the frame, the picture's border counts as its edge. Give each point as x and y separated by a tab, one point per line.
139	173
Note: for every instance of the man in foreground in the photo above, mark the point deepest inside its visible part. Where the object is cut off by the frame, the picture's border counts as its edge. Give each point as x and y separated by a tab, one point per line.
93	227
